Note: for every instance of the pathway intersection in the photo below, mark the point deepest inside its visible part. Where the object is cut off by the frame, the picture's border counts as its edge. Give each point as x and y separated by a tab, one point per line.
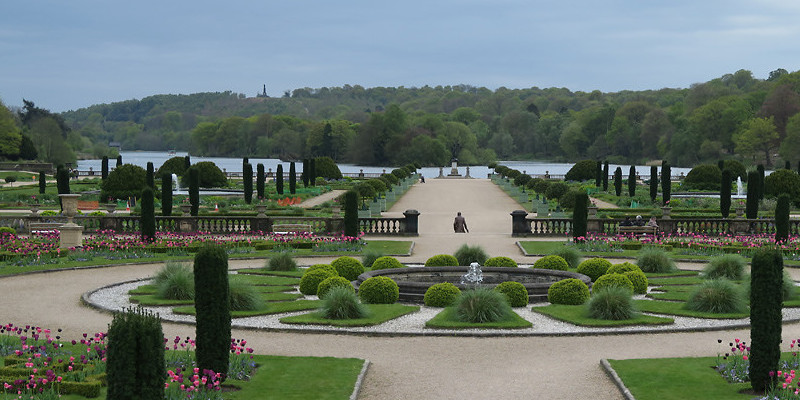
416	367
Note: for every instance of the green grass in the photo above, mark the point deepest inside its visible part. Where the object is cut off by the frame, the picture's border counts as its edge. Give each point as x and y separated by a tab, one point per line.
577	315
676	308
446	319
657	275
153	300
677	379
296	274
379	313
679	280
388	247
269	308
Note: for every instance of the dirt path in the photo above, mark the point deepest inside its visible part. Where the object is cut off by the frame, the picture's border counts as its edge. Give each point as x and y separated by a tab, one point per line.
315	201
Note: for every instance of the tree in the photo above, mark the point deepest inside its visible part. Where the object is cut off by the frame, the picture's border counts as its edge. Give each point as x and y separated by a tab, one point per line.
50	144
119	161
304	174
312	171
279	179
135	356
782	219
758	137
247	175
351	213
725	193
42	183
292	178
212	302
124	182
666	183
10	136
194	191
166	195
104	166
765	317
618	181
605	176
260	177
149	178
632	181
781	104
752	195
790	146
580	216
148	219
653	183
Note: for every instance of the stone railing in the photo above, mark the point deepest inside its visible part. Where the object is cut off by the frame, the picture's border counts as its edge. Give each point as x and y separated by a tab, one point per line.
407	226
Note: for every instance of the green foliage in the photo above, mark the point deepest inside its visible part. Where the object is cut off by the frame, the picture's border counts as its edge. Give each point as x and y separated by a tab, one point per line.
551	262
653	183
580	216
369	257
725	194
500	261
611	303
342	303
244	296
149	178
8	230
378	185
351	213
618	181
782	181
62	180
570	254
124	182
617	280
327	168
515	292
386	262
348	267
623	268
309	282
247	175
175	165
292	178
166	195
765	316
282	261
260	180
717	296
210	175
441	260
194	191
632	181
782	219
556	189
212	302
582	171
279	181
481	306
174	281
326	285
703	177
736	169
441	295
655	259
43	183
666	183
467	255
379	290
148	218
326	267
135	366
728	266
570	291
569	199
639	281
752	195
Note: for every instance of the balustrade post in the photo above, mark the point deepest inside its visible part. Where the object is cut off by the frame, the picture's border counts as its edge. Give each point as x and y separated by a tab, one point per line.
519	225
412	222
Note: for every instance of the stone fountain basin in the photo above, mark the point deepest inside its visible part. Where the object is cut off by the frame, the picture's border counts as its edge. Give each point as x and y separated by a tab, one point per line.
414	281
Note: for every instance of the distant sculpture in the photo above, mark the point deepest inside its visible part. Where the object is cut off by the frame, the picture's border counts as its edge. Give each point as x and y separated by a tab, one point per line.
264	93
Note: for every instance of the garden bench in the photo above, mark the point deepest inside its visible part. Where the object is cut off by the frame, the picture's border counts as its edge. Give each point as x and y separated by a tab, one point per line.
286	228
651	230
43	227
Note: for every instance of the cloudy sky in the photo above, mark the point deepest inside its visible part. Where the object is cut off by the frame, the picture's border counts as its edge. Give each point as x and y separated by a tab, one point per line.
66	55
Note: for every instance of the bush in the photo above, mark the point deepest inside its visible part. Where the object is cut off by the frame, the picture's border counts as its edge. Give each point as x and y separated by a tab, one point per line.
540	185
124	182
654	259
325	286
766	315
351	213
551	262
703	177
556	189
341	303
728	266
441	260
570	291
623	268
481	306
617	280
500	261
515	293
569	199
326	267
379	290
582	171
639	281
244	296
386	262
717	296
310	281
213	315
8	230
736	168
175	165
441	295
611	303
369	257
467	255
570	254
348	267
782	181
210	175
175	282
135	368
282	261
378	185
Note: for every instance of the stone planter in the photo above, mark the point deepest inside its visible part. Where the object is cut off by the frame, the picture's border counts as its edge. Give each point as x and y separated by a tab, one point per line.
592	212
336	210
665	212
260	209
34	209
110	207
739	212
186	209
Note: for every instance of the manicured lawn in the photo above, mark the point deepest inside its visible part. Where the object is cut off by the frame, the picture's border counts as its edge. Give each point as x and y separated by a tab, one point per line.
678	280
447	320
577	315
269	308
677	308
677	379
379	313
388	247
297	274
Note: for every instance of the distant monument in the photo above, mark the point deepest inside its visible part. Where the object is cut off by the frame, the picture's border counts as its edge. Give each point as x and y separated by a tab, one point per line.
454	169
263	94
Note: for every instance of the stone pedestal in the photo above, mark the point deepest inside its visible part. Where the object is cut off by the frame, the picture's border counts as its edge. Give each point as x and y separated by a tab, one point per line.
34	209
186	209
412	222
454	168
71	234
665	212
110	207
260	209
592	212
519	226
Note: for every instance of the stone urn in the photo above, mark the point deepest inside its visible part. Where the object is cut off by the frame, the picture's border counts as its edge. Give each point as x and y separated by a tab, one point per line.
739	212
336	210
110	207
592	211
34	209
261	209
665	212
186	209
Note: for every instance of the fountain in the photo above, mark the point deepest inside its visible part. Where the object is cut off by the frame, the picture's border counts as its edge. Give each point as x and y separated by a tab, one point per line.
473	277
739	187
176	184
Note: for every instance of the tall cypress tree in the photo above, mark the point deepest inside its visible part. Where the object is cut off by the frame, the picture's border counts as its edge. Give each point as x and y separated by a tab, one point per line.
653	183
725	194
247	175
149	177
119	161
752	195
351	213
104	168
765	316
598	178
260	177
292	178
279	179
212	303
187	162
306	167
312	176
782	218
42	183
760	169
194	191
580	216
166	195
666	183
632	181
605	176
135	368
148	218
618	181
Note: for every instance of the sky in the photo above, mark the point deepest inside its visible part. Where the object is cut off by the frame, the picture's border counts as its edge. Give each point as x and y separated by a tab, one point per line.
66	55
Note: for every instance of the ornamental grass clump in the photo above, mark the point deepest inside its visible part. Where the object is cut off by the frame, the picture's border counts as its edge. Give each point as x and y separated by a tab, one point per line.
243	296
515	292
386	262
594	267
654	259
441	295
551	262
348	267
728	266
482	305
282	261
341	303
500	261
611	303
467	255
719	296
568	291
441	260
329	284
369	257
571	255
175	281
379	290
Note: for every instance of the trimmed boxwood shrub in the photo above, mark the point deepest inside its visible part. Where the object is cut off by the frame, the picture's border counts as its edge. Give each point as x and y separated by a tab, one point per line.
704	177
386	262
348	267
611	303
717	296
441	295
766	316
326	168
582	171
617	280
782	181
639	281
210	175
311	280
442	260
500	261
623	268
556	189
515	292
327	267
135	367
124	182
175	165
551	262
211	300
379	290
570	291
325	286
729	266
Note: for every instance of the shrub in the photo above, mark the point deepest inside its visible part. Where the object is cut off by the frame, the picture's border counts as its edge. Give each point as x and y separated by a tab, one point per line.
351	213
377	185
248	182
728	266
467	255
135	368
704	177
736	168
282	261
124	182
611	303
782	218
717	296
310	280
341	303
175	282
556	189
639	281
766	315
244	296
569	199
551	262
194	191
279	183
441	260
175	165
148	218
210	175
570	291
348	267
623	268
482	305
617	280
441	295
8	230
379	290
782	181
326	267
211	301
654	259
582	171
570	254
515	292
500	261
386	262
540	185
326	168
325	286
580	216
166	196
369	257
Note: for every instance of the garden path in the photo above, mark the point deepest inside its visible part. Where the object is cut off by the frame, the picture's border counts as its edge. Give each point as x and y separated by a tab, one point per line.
315	201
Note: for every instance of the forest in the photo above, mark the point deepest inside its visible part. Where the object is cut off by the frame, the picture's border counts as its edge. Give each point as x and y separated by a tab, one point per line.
735	116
